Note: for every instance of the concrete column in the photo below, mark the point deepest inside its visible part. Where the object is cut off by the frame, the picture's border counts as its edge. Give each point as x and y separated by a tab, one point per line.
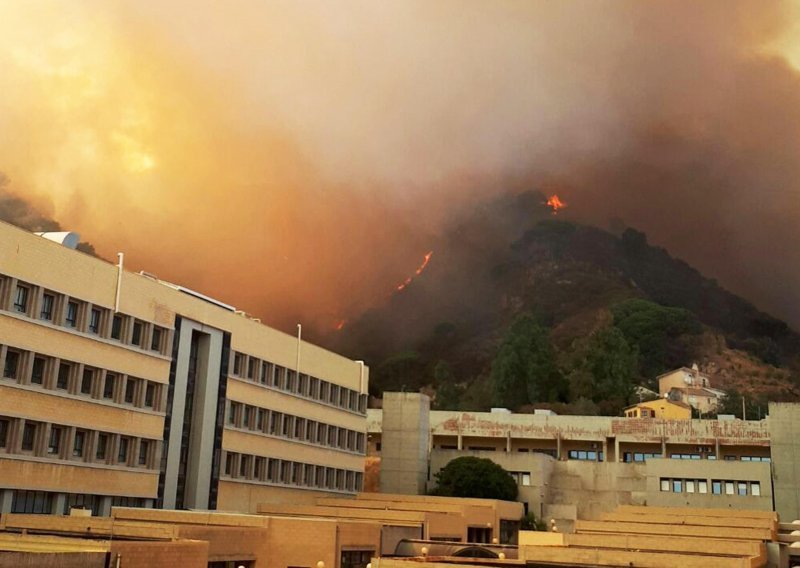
36	301
69	443
42	447
8	293
508	441
605	451
558	446
6	498
76	378
59	502
717	449
460	441
664	448
105	507
3	351
617	456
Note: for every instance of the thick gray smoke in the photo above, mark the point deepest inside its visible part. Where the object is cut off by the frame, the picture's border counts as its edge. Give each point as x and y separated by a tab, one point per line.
308	151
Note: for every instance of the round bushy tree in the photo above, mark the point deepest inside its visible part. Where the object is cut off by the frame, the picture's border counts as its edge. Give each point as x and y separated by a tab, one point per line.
475	477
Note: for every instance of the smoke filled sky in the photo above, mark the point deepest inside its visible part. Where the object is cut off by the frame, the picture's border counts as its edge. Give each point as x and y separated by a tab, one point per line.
297	158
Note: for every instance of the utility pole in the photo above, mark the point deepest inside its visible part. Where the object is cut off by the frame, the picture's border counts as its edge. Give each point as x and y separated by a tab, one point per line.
744	412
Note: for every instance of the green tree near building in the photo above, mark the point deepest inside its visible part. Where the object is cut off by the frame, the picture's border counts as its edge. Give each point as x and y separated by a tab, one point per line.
612	365
481	478
660	333
524	370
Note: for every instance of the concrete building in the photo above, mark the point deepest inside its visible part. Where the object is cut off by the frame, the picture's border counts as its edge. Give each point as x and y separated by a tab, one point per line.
572	467
121	389
691	387
663	408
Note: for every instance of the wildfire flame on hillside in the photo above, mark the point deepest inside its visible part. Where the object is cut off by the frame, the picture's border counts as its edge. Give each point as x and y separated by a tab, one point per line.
555	203
419	270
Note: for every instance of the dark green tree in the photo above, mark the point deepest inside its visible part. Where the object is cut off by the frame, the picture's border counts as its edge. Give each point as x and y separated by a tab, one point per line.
658	332
613	366
402	371
448	393
524	370
469	476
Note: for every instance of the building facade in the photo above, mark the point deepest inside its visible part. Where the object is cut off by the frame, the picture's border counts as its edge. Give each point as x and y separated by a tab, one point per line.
660	408
690	386
121	389
570	467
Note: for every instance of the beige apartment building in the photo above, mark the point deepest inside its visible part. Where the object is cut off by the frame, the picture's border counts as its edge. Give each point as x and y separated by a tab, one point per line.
121	389
578	467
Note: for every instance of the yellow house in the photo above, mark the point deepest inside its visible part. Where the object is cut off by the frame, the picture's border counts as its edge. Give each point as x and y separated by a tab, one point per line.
660	408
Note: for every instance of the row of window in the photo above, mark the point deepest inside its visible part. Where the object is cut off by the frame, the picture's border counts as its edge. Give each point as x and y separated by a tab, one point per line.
46	305
44	502
294	427
271	375
718	486
55	441
585	455
284	472
640	457
28	368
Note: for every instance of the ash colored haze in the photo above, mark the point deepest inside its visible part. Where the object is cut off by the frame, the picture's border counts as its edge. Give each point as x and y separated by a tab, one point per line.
298	158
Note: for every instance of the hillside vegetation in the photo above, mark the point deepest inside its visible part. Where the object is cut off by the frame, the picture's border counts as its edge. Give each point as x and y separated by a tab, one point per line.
521	308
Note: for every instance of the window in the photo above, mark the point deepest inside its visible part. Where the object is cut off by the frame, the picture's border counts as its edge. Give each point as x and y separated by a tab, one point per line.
274	422
356	558
741	488
122	455
702	486
12	362
526	479
130	390
38	502
136	336
86	381
29	436
260	468
266	370
54	443
71	319
286	471
716	487
46	313
62	382
665	485
244	466
755	487
248	417
150	395
80	440
37	373
3	433
228	463
21	299
155	342
237	364
232	413
94	321
116	327
729	488
677	486
102	443
108	386
260	419
144	450
251	368
689	486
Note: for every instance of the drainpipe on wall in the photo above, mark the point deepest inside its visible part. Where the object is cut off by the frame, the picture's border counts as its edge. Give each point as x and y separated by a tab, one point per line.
299	339
121	257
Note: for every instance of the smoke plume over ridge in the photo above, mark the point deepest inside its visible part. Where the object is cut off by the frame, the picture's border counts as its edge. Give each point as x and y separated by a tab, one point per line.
297	158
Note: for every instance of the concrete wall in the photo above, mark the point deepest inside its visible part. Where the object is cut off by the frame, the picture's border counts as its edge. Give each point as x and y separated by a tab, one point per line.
784	426
405	435
55	560
708	471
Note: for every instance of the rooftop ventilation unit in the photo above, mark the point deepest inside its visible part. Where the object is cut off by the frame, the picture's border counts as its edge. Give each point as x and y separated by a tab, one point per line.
66	238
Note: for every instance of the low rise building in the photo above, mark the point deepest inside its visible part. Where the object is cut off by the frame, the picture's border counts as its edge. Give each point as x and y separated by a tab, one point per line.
690	386
571	467
663	408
